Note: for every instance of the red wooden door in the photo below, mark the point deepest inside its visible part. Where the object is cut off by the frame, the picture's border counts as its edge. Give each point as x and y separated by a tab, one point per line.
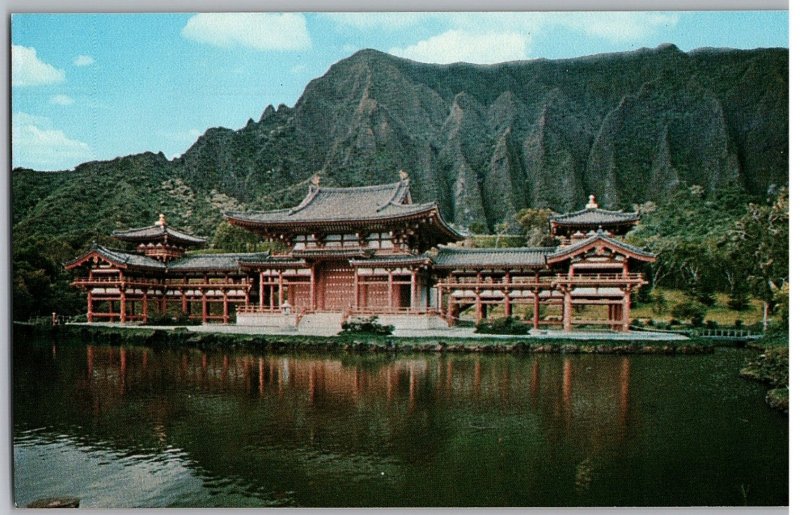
335	285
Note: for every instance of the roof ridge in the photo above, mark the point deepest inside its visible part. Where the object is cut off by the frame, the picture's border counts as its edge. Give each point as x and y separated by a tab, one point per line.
142	228
370	187
498	250
312	194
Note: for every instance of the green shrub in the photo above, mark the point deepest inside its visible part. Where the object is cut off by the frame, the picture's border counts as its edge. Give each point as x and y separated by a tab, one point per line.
691	310
506	325
659	303
362	325
739	300
171	320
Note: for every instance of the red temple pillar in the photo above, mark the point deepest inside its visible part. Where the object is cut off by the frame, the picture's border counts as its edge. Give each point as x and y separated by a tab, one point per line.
280	287
122	306
225	317
566	316
391	290
144	307
413	303
536	308
313	289
261	290
355	288
204	308
89	307
506	303
626	310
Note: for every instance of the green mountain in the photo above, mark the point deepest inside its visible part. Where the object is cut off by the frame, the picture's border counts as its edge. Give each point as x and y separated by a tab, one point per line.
484	141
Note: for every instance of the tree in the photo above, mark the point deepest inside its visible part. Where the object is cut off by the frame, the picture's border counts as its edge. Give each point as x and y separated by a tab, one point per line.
760	238
536	225
230	238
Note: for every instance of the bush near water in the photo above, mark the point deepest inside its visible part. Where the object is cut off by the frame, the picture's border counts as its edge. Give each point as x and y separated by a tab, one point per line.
506	325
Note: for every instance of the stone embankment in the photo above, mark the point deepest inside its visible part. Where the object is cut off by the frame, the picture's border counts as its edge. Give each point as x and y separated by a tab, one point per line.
176	337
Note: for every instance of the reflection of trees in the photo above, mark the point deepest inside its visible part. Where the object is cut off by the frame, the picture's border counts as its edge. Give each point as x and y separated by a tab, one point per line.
279	421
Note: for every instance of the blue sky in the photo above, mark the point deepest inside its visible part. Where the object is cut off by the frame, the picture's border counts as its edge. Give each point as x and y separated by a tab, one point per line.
98	86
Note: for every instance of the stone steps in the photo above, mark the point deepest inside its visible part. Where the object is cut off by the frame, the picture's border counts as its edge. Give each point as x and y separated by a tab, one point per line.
327	324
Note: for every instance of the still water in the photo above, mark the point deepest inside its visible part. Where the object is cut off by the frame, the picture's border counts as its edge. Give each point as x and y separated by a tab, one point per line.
146	427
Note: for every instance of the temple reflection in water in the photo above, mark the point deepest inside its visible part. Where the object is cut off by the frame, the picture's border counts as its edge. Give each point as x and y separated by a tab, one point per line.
585	394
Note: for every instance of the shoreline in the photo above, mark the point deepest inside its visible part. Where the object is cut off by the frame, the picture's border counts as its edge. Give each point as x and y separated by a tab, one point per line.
552	342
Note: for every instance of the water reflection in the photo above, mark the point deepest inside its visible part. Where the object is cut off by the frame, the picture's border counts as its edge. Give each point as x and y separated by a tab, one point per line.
375	430
595	391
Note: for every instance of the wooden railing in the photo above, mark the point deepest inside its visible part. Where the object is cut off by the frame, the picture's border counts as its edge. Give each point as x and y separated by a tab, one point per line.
117	283
105	281
544	282
392	311
597	278
257	309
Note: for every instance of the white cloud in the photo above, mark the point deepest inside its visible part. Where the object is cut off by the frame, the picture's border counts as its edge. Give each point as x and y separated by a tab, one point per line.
62	100
83	60
28	70
36	144
458	45
260	31
619	27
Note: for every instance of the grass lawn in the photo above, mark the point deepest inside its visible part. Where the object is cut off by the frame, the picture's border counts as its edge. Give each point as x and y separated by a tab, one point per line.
719	312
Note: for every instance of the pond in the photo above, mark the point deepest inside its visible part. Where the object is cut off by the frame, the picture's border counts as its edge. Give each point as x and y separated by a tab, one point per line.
124	426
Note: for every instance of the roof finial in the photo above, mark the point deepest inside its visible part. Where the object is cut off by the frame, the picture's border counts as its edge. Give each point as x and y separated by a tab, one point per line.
162	221
592	203
315	179
403	175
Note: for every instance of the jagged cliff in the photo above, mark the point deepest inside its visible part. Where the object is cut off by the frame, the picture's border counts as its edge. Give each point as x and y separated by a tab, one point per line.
485	141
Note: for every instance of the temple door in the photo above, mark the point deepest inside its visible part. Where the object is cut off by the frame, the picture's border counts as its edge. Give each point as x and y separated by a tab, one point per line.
334	286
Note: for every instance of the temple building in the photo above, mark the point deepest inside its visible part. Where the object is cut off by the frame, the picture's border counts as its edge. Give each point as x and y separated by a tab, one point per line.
369	250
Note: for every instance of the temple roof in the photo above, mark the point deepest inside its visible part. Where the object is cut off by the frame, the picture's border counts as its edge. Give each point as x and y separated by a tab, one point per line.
118	257
594	216
338	253
392	260
158	232
213	262
460	257
355	203
255	261
566	251
349	209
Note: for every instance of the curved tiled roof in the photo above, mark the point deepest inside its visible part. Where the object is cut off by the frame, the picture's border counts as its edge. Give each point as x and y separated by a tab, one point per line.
356	203
601	236
157	232
265	258
350	209
458	257
392	260
594	216
332	253
213	262
121	257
